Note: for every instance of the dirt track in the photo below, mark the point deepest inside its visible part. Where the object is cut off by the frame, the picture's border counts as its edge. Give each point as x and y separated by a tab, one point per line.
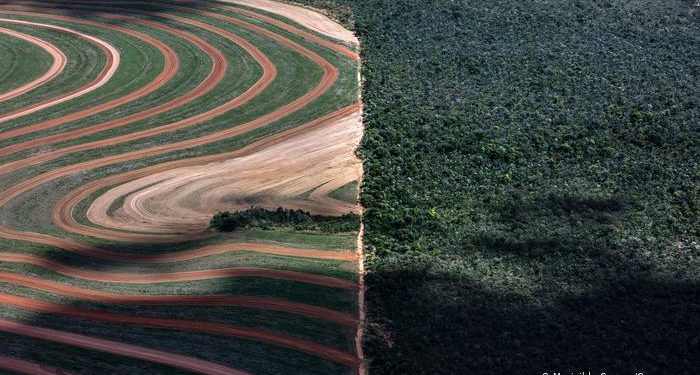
113	60
127	350
59	62
143	278
198	326
25	367
339	131
176	300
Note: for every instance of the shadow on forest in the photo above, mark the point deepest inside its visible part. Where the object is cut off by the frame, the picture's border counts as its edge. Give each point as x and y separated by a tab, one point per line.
634	326
564	299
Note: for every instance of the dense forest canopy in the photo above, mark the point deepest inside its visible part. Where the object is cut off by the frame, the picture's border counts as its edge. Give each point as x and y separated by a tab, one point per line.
531	186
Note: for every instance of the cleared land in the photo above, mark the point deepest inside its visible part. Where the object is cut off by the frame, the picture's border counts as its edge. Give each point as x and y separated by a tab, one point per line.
139	121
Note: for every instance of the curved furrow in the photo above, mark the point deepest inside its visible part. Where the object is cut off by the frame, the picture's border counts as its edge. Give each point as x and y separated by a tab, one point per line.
285	26
127	350
113	59
180	300
59	62
289	342
170	68
159	279
329	77
62	214
143	278
311	20
183	200
28	368
219	70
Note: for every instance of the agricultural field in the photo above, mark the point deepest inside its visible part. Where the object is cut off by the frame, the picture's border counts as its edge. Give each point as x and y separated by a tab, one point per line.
531	186
125	126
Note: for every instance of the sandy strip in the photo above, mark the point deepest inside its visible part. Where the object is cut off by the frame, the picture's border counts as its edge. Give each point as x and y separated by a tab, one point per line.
118	348
180	300
59	62
113	59
308	18
170	68
20	366
293	343
329	77
184	199
62	212
148	278
215	76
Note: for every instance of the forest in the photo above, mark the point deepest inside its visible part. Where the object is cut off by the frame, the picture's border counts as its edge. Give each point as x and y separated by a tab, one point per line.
531	184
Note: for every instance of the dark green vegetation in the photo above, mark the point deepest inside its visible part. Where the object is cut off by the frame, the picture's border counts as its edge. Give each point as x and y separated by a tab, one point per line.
531	186
258	217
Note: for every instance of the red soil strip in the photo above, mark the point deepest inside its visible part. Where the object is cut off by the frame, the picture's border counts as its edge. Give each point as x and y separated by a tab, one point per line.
113	59
86	190
289	342
144	278
169	70
220	67
28	368
171	65
113	347
313	38
180	300
59	63
255	247
62	214
178	256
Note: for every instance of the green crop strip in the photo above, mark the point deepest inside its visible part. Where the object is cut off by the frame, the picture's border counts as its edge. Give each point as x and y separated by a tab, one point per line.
322	331
85	61
296	75
241	354
195	65
12	52
317	295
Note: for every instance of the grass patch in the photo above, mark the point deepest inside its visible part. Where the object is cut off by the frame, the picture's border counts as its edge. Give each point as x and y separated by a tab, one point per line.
12	52
348	192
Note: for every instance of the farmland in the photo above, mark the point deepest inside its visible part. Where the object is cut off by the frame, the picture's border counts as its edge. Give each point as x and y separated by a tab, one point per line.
136	122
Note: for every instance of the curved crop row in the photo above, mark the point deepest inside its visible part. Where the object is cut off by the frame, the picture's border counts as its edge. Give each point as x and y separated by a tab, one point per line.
233	106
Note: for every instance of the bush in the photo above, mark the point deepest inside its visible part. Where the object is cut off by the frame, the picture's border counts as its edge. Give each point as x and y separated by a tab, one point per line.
258	217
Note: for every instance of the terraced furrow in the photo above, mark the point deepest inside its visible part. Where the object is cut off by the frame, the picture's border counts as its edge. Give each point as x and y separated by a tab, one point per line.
113	59
141	62
59	62
108	185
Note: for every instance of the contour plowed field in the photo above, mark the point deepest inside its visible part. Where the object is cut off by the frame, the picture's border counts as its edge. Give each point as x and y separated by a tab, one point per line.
125	127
